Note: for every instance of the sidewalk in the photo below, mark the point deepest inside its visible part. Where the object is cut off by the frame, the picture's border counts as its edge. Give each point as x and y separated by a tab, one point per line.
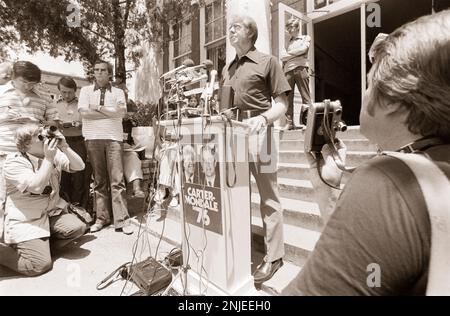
82	264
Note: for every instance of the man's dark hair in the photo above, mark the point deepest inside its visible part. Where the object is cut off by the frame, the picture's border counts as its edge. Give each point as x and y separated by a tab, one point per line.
109	65
26	70
67	82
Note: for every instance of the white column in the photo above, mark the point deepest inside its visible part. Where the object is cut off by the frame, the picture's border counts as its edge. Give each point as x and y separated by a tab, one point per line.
259	10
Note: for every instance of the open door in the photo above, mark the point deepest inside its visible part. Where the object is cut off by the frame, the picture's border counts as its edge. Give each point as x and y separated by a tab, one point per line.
285	12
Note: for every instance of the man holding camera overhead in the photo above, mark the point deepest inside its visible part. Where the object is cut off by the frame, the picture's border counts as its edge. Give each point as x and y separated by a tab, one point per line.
34	211
256	78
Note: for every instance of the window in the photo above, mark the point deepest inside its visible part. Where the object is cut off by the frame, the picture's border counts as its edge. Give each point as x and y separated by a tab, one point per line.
216	23
182	41
217	55
323	3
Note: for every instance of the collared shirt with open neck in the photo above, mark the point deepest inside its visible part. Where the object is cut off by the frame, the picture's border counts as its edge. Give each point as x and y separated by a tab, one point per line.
107	86
299	60
68	113
256	78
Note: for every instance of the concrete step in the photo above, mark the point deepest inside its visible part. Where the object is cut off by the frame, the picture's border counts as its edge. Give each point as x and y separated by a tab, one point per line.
295	212
352	145
292	189
296	171
299	172
298	242
354	158
353	132
281	278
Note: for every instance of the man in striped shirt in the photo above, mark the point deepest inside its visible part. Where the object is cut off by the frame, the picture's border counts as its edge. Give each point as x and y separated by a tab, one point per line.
20	105
102	108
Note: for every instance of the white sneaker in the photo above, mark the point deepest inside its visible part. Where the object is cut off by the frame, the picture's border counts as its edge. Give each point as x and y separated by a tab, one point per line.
174	202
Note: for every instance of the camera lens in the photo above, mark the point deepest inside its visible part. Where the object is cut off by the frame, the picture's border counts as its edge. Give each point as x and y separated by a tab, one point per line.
53	128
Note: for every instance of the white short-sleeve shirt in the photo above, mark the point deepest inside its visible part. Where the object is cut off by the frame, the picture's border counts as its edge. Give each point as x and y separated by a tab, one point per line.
27	214
105	128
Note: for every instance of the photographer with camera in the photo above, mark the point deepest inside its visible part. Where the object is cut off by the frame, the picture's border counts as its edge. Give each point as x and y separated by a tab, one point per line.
382	221
36	217
19	105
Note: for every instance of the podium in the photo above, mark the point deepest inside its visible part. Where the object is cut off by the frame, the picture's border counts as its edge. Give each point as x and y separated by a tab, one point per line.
215	213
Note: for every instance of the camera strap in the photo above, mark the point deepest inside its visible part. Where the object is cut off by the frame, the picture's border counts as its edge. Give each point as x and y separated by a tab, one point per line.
421	145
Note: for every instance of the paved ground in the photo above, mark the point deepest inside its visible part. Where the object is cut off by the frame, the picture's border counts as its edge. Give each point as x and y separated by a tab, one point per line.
81	265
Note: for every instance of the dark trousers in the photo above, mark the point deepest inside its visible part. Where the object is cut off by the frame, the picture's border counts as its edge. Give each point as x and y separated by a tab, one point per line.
33	257
300	77
75	186
109	185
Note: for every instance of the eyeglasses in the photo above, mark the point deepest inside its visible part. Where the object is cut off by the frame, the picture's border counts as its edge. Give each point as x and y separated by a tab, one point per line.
236	27
28	83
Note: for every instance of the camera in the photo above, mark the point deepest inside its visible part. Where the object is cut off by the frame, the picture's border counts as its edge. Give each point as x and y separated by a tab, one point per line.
324	119
49	133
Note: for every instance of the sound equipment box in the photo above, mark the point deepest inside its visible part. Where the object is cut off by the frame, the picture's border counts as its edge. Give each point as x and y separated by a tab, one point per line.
150	276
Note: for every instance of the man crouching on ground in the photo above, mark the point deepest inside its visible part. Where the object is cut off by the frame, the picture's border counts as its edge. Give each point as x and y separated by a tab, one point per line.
34	211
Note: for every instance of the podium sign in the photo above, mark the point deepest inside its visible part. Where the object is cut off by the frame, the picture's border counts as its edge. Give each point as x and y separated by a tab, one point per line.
215	216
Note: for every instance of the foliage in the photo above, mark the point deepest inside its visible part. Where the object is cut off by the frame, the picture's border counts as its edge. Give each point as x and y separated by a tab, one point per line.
117	29
144	114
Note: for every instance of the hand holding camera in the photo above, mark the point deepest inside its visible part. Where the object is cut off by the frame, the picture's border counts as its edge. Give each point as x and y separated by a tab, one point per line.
50	149
53	133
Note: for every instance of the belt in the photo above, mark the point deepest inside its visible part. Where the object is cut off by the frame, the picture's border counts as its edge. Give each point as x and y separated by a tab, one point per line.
247	114
74	137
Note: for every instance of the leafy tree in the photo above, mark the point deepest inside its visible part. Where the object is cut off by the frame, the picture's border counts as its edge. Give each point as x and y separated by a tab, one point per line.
115	29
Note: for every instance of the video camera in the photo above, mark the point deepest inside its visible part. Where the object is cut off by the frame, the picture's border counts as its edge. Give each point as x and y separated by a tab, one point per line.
324	119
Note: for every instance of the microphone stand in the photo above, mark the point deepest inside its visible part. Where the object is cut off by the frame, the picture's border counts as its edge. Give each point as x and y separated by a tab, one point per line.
208	94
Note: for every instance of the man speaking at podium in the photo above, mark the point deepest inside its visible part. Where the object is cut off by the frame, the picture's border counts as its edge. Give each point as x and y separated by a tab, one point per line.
256	78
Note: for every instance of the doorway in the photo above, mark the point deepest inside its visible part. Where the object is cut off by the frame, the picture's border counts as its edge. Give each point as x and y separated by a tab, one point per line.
337	60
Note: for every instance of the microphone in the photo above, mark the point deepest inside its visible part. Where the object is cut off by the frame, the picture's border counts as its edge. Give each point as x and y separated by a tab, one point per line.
172	72
208	92
187	63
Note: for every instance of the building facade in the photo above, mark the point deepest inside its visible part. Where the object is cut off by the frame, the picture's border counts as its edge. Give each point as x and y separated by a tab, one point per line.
341	30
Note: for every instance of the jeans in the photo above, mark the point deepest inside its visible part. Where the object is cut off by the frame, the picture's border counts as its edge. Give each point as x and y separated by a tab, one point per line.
300	77
263	164
75	186
109	184
33	257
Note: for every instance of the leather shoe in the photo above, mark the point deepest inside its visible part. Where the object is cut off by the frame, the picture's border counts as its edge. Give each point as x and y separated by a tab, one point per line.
266	270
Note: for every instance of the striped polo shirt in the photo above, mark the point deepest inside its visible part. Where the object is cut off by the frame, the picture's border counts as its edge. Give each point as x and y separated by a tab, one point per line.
32	106
105	128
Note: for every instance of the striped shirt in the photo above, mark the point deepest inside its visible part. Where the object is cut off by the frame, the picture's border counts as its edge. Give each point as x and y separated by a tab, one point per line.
32	106
105	128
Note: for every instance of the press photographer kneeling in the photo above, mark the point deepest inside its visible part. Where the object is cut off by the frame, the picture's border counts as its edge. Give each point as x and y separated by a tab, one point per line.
36	218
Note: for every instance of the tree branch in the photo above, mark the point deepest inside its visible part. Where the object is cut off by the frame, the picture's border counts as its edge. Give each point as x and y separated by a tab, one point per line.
99	35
